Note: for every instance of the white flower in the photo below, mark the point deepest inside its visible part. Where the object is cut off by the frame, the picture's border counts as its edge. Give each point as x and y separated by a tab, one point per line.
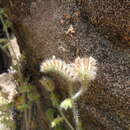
82	68
57	65
86	68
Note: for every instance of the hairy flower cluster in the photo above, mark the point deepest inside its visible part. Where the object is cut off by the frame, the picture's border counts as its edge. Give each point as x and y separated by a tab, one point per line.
85	68
57	65
82	68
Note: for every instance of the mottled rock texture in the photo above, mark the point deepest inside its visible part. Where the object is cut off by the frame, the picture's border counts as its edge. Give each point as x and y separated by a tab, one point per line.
112	17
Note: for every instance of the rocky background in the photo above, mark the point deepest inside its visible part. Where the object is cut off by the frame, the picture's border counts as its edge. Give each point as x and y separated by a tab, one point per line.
99	29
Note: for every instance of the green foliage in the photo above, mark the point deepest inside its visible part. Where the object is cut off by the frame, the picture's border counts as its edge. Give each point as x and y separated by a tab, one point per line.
67	103
23	107
5	115
29	97
6	107
57	121
54	99
6	24
4	19
9	122
33	97
50	114
48	84
25	88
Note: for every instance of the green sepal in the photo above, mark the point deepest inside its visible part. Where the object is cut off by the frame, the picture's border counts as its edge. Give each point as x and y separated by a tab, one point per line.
67	103
56	121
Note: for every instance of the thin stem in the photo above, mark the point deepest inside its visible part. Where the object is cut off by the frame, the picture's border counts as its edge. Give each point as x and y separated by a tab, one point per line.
74	108
26	119
8	37
3	40
29	116
78	94
65	119
43	116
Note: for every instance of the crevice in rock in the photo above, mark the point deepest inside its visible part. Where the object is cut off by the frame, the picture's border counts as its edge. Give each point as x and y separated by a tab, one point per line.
5	61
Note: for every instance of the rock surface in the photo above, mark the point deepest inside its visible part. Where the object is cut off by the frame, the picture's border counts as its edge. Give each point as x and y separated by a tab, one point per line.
112	17
41	32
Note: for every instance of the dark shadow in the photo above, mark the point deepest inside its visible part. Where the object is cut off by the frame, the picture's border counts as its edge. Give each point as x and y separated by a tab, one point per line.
5	61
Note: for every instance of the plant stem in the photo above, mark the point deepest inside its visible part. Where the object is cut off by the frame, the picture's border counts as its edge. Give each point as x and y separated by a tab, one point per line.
74	109
3	40
65	119
8	37
26	120
78	94
43	116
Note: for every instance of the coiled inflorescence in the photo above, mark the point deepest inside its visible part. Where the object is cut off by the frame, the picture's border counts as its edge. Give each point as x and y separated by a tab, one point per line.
81	69
85	68
57	65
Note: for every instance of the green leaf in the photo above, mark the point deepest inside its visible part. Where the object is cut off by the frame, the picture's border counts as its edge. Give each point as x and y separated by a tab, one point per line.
67	103
5	46
8	24
2	11
33	96
8	122
56	121
25	88
6	107
54	99
48	84
50	114
23	107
